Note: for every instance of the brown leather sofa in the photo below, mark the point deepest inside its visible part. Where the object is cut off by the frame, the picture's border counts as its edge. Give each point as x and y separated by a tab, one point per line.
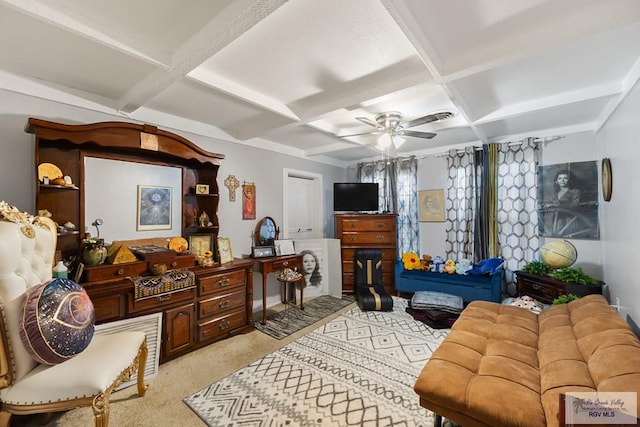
506	366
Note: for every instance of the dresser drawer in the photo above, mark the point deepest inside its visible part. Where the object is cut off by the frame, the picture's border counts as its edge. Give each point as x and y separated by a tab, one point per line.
284	263
117	271
221	303
367	237
180	261
157	302
543	292
373	224
220	282
221	326
389	256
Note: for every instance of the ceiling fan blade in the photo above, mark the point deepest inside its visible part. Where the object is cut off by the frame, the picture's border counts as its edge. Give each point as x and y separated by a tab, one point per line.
417	134
367	121
427	119
377	132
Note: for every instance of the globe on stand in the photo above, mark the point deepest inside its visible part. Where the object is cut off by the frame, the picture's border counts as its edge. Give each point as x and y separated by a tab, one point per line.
558	254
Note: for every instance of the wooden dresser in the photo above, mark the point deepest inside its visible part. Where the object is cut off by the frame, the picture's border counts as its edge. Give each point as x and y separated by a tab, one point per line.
219	306
367	231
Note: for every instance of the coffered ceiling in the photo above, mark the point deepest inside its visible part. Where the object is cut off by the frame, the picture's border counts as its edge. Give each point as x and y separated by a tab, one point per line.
291	75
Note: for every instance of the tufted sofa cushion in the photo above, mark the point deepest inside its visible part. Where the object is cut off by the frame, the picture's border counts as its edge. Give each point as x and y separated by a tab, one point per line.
506	366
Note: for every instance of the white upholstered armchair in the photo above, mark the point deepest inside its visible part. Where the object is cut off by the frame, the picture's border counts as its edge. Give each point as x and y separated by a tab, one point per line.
27	247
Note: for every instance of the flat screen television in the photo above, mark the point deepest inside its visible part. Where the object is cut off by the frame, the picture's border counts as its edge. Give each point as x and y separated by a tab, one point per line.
355	196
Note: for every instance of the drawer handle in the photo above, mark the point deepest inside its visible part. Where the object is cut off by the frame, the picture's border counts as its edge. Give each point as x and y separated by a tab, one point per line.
174	263
120	271
224	325
164	297
352	238
223	304
536	286
380	224
224	282
380	237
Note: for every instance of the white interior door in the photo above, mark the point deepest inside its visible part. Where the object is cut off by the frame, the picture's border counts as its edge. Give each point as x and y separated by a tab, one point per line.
302	205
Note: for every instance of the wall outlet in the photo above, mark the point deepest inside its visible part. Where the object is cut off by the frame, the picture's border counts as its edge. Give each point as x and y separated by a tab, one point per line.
617	305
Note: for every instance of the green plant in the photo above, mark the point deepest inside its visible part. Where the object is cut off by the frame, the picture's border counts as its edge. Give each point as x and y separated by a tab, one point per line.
563	299
573	275
536	267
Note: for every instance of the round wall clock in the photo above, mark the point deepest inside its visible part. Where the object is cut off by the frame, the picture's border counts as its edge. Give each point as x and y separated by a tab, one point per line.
606	179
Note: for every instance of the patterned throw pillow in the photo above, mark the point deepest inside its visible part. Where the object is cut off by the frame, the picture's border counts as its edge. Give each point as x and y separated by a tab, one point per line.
57	321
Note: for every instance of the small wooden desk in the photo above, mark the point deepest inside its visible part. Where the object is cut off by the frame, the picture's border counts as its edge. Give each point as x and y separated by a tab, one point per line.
269	265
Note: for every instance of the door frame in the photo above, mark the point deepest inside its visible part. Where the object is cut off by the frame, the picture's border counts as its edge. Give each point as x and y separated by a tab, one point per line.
318	206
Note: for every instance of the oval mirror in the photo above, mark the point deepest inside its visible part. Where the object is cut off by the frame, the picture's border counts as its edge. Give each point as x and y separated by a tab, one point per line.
266	232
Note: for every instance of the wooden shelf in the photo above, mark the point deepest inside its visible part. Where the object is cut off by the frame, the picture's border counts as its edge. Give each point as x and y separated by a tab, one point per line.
59	187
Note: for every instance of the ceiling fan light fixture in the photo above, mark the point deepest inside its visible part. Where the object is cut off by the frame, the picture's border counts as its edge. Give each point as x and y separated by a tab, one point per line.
384	141
398	141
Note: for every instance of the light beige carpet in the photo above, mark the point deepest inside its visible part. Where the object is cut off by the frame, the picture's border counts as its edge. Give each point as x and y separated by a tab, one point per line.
163	405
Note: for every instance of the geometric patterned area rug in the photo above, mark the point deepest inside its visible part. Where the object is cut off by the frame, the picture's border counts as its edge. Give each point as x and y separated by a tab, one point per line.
358	369
284	323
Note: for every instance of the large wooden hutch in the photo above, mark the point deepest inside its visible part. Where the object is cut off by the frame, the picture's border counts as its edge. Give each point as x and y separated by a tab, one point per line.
221	303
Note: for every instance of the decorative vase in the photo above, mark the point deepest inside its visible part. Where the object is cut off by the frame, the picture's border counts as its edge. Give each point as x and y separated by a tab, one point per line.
94	252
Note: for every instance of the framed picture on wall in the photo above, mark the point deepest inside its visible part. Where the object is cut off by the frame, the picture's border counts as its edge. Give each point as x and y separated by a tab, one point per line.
431	205
154	208
568	200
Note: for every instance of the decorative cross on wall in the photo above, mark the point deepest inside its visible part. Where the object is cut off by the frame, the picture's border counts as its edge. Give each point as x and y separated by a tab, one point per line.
232	184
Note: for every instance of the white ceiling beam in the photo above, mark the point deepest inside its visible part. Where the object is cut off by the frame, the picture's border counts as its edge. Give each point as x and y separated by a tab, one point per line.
89	30
353	94
215	81
629	81
230	24
554	101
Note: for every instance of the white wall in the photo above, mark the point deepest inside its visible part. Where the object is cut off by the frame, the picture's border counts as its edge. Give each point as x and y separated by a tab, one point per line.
618	140
262	167
432	175
578	147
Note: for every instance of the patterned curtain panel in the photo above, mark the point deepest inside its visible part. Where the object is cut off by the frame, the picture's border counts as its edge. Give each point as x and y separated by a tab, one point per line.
376	172
398	183
517	201
406	202
462	184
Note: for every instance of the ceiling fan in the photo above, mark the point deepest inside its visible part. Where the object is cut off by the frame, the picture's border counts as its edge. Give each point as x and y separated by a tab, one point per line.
391	123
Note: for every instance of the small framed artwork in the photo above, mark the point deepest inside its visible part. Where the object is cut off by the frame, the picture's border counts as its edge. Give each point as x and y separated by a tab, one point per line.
284	247
202	188
154	208
200	242
263	251
224	250
431	205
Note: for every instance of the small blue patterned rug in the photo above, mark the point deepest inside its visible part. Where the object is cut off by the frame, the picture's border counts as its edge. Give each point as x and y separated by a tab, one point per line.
357	369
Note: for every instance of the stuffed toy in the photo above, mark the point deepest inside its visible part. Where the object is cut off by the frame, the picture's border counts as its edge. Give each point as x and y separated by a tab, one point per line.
449	266
425	262
486	266
437	264
411	261
463	266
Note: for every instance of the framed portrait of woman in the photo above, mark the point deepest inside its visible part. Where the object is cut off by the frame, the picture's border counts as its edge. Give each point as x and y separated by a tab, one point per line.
568	200
431	205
